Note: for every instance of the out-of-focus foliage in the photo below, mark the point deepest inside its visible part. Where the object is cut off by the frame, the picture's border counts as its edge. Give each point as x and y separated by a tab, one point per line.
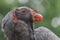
50	9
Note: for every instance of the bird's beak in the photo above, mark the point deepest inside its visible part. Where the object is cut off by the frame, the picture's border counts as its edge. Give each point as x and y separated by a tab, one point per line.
37	17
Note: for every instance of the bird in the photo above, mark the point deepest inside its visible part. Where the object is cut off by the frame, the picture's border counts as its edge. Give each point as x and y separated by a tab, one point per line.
18	23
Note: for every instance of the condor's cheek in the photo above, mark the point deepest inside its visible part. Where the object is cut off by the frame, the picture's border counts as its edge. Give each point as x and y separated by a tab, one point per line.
37	18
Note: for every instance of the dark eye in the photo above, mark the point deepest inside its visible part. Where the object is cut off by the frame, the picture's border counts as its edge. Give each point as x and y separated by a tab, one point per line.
23	11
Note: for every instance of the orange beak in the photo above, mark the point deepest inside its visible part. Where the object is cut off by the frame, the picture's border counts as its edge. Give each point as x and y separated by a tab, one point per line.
37	17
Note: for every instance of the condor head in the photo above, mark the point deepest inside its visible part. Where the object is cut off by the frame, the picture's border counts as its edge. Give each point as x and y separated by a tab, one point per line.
27	14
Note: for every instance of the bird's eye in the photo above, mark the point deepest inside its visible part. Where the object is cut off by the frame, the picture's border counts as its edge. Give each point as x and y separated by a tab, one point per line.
20	11
23	11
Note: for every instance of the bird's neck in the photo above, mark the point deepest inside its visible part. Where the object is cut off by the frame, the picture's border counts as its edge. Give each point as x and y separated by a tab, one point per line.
31	31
